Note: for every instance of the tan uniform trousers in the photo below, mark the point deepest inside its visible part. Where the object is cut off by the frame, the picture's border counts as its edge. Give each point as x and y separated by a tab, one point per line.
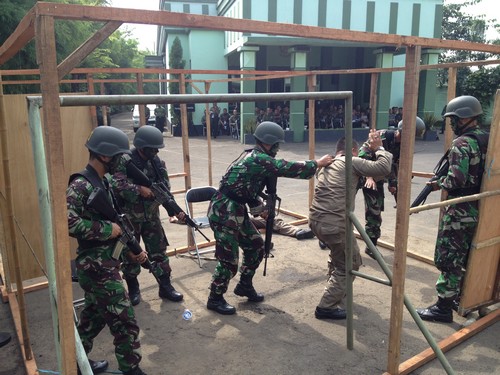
279	226
334	294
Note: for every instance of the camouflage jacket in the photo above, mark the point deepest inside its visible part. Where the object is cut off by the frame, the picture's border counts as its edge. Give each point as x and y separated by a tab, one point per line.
466	164
160	112
390	144
126	190
84	223
245	180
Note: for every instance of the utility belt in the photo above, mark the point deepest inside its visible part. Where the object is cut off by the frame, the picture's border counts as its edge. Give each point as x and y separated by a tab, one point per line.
231	195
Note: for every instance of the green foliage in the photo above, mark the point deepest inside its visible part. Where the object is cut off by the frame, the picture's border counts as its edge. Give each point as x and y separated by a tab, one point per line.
119	50
460	26
249	126
175	61
430	121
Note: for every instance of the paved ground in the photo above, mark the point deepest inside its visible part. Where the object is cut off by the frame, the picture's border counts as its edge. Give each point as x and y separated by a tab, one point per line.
280	335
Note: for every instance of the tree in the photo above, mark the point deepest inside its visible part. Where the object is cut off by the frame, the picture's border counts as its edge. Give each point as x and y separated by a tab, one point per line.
175	61
119	50
457	25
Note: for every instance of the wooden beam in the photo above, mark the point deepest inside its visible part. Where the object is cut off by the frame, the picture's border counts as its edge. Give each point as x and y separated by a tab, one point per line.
448	343
29	361
86	48
23	33
194	21
412	74
57	176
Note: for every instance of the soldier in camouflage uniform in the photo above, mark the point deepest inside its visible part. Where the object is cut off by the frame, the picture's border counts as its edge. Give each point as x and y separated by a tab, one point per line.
160	117
458	224
106	300
373	191
229	218
143	211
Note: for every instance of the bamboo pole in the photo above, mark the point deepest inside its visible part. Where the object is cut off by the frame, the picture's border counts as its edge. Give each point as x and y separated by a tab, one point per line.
468	198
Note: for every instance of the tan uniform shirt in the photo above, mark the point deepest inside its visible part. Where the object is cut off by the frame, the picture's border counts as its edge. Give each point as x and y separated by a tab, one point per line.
328	204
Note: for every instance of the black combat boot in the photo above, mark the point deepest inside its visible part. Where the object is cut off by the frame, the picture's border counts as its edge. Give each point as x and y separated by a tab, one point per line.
216	302
368	251
167	290
245	289
96	366
134	292
441	311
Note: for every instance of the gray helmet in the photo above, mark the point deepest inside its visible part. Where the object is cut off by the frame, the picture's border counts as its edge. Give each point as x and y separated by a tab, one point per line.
419	126
148	136
269	133
108	141
465	106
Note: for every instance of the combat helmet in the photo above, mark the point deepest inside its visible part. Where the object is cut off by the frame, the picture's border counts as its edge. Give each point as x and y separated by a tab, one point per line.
148	136
464	106
108	141
419	126
269	132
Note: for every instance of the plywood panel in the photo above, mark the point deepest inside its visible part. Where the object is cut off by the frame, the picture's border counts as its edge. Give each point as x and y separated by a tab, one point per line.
76	127
481	280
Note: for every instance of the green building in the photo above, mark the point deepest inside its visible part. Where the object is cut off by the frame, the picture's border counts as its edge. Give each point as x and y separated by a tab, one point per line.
218	50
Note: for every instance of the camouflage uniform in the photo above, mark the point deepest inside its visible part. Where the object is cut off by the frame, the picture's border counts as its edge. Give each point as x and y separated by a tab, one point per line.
106	300
459	221
374	199
144	214
229	218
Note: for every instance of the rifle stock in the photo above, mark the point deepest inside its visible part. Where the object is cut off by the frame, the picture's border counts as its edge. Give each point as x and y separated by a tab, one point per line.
162	195
98	200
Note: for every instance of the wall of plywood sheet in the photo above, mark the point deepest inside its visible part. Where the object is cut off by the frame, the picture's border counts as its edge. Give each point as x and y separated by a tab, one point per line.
76	127
481	284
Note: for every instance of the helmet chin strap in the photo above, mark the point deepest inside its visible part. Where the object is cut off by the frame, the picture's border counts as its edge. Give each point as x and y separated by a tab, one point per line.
459	130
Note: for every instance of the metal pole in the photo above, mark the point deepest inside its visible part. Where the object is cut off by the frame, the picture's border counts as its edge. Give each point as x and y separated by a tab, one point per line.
42	179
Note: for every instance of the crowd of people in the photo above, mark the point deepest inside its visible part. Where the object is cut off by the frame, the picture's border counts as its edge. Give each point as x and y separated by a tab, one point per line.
108	252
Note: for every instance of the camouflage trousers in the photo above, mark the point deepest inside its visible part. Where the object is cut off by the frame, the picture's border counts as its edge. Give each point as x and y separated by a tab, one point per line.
228	240
374	205
155	241
456	230
107	303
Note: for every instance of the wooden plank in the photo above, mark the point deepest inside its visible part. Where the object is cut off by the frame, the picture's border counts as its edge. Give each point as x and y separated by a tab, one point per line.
57	175
194	21
23	33
483	267
78	55
449	343
28	358
402	213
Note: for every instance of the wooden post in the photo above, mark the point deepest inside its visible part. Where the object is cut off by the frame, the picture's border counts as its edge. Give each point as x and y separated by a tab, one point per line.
91	91
46	56
104	109
140	91
185	142
209	138
402	216
373	99
311	87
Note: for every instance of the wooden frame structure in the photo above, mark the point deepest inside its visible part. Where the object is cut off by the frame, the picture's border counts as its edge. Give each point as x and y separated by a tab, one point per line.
39	24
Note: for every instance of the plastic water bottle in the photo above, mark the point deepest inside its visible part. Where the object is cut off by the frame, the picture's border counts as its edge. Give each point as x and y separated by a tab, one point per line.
187	315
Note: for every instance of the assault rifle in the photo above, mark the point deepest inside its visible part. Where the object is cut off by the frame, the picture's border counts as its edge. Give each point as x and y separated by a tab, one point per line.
99	201
440	170
271	199
161	192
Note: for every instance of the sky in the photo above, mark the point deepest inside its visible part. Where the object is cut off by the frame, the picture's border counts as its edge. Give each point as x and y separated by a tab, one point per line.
146	34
